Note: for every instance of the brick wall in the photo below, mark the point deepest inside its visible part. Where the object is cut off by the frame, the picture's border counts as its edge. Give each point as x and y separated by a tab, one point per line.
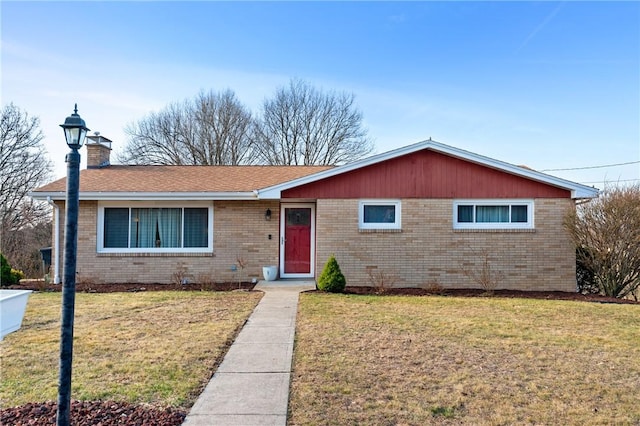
428	250
240	229
97	154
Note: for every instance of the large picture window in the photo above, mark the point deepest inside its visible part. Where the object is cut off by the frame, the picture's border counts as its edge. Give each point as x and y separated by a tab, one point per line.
380	214
493	214
150	229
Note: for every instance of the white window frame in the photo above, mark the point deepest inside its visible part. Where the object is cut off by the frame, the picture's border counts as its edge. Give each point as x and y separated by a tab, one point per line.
153	204
398	214
529	224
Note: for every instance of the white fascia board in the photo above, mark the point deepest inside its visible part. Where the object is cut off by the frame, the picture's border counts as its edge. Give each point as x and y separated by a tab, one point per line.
138	196
577	190
47	195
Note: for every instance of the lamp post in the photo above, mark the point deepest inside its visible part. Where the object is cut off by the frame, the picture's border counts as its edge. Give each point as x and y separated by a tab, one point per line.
74	132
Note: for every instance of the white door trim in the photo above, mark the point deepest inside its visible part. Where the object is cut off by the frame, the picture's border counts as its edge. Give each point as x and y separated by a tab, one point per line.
284	206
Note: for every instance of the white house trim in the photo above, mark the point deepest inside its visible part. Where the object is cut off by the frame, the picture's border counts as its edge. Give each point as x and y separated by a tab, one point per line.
150	196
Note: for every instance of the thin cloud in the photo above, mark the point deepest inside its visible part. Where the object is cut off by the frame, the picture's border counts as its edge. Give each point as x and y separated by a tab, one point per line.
539	28
398	19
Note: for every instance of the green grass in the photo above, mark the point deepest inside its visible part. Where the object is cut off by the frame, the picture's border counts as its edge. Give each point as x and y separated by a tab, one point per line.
444	360
158	348
358	359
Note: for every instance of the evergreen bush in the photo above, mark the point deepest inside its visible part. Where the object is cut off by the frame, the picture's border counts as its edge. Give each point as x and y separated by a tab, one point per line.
331	279
8	276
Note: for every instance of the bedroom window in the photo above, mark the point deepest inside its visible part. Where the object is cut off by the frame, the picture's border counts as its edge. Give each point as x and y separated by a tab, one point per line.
493	214
380	214
151	229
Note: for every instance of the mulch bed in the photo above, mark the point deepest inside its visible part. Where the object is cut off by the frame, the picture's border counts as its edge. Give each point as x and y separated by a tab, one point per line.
547	295
86	413
37	285
364	290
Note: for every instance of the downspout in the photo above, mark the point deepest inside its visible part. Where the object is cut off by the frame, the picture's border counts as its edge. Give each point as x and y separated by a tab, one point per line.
56	239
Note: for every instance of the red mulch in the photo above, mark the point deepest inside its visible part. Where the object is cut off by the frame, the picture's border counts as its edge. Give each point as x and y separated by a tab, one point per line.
95	413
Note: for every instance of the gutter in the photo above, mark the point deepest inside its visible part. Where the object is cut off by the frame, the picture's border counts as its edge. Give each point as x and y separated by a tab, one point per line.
150	196
56	240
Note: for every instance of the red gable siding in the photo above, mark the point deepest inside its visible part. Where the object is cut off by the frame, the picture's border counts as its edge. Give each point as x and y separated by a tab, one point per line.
426	174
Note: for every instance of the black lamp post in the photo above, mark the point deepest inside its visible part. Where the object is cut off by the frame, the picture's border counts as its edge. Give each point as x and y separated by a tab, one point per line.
74	132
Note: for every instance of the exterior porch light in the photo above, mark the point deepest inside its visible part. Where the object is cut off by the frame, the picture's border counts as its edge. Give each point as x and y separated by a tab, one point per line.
75	131
267	214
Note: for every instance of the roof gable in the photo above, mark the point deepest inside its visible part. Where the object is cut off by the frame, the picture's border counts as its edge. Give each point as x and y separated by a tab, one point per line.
425	174
576	190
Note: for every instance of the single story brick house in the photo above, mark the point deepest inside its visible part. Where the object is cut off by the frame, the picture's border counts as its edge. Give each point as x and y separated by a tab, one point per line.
425	214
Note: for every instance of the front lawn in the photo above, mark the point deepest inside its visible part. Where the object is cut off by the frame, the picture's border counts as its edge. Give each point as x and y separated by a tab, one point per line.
157	348
390	360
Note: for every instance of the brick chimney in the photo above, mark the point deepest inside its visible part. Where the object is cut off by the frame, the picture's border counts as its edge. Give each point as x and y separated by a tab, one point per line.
98	151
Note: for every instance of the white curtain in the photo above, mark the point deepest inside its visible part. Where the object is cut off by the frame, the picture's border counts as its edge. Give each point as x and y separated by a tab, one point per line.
492	214
143	228
169	227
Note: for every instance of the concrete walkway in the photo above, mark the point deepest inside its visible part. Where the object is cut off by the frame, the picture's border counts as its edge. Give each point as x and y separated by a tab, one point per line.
251	386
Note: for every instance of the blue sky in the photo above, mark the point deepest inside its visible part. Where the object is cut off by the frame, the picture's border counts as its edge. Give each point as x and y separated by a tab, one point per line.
553	85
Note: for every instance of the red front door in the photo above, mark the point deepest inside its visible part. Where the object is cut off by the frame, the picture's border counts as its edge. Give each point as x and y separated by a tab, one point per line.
297	240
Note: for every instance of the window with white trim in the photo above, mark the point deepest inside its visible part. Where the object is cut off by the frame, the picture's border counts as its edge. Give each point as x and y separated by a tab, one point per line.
380	214
493	214
155	228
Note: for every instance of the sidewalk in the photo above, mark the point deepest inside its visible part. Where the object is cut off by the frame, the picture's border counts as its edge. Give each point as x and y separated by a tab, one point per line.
251	386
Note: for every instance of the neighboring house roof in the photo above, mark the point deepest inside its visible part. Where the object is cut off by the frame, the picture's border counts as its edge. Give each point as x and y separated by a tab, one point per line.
577	190
176	182
256	182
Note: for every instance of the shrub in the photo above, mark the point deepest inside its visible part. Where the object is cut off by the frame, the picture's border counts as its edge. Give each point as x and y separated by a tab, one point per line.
331	279
380	280
18	274
8	276
606	233
486	276
584	273
434	287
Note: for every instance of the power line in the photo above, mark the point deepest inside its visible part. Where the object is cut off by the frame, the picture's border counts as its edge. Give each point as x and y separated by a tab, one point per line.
612	181
591	167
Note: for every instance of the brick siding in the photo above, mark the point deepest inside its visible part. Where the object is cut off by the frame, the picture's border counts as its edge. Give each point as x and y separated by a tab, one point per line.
240	229
428	251
97	155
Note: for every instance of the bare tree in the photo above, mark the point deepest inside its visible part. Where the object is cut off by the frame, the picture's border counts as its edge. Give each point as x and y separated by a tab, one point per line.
606	231
23	167
303	126
23	248
211	129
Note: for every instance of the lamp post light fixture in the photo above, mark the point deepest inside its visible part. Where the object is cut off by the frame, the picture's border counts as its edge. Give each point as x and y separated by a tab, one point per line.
75	131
